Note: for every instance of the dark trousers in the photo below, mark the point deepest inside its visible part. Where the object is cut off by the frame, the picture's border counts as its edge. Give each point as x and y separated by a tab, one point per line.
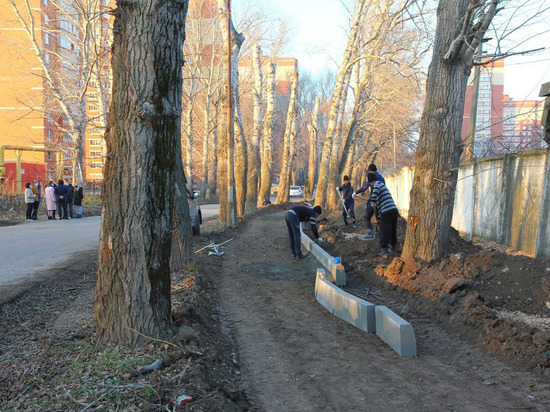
369	212
293	225
30	208
388	228
351	210
71	211
35	210
62	206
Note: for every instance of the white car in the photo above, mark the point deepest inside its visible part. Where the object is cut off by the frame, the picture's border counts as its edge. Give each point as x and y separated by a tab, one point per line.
296	191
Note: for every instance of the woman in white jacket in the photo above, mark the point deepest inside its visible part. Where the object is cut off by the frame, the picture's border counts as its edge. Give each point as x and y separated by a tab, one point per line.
50	200
29	200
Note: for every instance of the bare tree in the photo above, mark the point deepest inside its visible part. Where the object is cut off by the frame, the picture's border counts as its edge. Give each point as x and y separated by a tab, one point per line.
283	194
68	74
132	297
460	28
267	142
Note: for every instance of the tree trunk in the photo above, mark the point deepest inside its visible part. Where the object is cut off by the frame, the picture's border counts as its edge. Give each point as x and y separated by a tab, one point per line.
213	170
188	165
313	130
254	149
337	105
205	146
132	297
241	159
265	187
283	194
440	143
182	236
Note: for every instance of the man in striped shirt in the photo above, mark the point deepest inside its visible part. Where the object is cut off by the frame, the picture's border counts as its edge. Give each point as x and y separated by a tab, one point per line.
388	213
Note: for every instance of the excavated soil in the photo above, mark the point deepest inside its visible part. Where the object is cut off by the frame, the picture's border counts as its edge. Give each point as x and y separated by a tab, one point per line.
250	335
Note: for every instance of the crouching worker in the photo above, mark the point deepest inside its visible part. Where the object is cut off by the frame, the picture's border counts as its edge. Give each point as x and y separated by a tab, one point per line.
293	217
388	213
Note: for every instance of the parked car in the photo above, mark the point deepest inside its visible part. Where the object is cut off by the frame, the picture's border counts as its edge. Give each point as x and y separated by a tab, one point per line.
296	191
194	211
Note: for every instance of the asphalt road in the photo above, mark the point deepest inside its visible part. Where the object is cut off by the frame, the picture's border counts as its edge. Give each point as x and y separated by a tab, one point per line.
30	247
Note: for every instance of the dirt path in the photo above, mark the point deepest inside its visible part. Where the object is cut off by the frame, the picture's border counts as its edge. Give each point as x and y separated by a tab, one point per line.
296	356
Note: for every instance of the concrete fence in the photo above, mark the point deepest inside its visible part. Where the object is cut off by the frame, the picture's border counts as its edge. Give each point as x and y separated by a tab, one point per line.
505	199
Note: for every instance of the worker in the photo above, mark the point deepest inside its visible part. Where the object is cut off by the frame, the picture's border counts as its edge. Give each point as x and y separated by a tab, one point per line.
369	211
293	217
387	211
348	201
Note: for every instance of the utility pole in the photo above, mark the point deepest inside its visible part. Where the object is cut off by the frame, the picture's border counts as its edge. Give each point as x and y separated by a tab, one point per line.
232	212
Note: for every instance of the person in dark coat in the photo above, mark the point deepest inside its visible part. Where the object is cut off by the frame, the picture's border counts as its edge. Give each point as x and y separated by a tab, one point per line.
78	197
293	217
70	199
61	191
348	200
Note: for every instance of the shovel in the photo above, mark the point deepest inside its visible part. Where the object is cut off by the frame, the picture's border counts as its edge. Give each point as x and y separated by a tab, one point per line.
342	199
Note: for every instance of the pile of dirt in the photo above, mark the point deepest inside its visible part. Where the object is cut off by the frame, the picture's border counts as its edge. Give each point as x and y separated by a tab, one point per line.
499	297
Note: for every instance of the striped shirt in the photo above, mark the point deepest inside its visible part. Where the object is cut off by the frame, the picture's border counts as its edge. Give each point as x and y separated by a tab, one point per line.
382	197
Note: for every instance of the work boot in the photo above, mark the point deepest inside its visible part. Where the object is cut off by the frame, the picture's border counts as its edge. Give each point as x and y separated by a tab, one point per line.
354	225
299	256
369	235
384	253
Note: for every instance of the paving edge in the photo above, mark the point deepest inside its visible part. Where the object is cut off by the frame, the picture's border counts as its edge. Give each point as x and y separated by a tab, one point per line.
337	274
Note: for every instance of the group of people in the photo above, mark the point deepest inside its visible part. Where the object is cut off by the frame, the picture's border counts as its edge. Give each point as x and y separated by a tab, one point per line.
379	202
62	197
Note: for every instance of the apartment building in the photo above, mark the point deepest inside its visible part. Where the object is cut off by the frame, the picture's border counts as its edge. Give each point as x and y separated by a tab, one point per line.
503	125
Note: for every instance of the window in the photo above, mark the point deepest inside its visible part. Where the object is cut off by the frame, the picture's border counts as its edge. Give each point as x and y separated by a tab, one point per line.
96	165
50	156
46	20
93	108
95	142
95	153
92	96
64	42
94	130
49	136
96	176
47	38
67	137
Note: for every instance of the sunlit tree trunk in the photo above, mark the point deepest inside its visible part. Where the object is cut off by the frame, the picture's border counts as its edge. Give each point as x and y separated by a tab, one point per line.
265	187
254	149
313	130
461	25
132	298
337	105
241	159
289	150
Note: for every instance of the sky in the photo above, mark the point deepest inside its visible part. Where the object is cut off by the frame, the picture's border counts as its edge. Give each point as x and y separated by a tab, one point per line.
318	37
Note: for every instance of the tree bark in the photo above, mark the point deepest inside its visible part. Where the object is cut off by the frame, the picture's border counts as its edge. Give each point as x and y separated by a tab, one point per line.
133	284
254	149
313	130
283	194
440	143
265	187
